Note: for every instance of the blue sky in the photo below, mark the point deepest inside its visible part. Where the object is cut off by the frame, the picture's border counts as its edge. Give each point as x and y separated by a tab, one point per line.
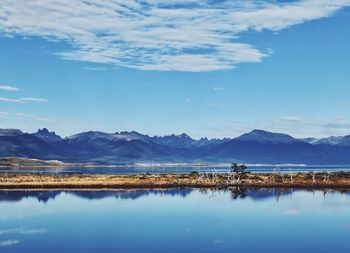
206	68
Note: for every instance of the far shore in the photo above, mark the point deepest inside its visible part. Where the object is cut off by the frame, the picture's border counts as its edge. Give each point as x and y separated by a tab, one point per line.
30	163
323	180
21	162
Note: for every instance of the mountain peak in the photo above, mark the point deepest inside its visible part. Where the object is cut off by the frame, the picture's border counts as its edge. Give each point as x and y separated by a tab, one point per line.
43	131
133	135
48	136
185	136
264	136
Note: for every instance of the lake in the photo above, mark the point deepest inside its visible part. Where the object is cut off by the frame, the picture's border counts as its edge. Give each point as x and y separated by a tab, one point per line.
175	220
182	169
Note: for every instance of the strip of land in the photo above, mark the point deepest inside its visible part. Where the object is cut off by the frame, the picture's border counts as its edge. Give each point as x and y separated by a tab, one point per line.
15	162
22	162
192	180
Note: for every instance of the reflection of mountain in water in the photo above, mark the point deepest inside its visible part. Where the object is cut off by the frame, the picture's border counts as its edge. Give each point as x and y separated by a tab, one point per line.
44	196
254	194
128	194
236	193
262	194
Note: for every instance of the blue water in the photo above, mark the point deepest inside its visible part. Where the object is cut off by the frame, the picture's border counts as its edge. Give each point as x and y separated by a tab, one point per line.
136	170
175	221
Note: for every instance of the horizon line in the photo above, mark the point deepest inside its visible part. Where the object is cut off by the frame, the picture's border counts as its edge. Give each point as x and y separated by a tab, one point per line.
173	134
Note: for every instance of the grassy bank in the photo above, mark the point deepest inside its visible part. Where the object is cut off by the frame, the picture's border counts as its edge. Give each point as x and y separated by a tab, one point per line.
194	180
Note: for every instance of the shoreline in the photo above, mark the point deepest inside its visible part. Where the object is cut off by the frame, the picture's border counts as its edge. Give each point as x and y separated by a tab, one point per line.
334	180
31	163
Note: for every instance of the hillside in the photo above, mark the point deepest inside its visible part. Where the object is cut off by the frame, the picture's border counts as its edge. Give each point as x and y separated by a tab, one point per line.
257	146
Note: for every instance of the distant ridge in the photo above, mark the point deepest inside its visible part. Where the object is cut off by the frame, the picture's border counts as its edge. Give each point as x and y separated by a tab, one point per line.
257	146
264	136
335	140
10	132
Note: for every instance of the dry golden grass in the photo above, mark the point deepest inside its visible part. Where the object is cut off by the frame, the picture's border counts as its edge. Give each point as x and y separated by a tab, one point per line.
195	180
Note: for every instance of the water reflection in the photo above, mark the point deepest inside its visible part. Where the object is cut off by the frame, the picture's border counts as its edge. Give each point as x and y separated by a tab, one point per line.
235	193
175	220
45	196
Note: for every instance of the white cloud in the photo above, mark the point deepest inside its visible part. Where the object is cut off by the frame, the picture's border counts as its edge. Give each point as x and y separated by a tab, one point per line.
8	243
23	231
94	68
23	116
292	118
297	127
23	100
165	35
310	127
218	88
11	100
31	231
40	100
8	88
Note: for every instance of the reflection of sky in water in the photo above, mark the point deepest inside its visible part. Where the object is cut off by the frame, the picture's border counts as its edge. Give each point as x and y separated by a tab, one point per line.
175	221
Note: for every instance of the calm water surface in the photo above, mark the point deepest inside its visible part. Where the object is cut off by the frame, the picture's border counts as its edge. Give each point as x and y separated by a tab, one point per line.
175	221
138	170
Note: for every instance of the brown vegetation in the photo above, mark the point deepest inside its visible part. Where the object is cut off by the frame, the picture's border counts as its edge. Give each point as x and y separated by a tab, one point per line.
194	180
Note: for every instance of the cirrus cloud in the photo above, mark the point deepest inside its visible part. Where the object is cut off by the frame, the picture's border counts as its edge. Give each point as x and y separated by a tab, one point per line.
8	88
8	243
23	100
11	100
24	116
29	99
165	35
292	118
23	231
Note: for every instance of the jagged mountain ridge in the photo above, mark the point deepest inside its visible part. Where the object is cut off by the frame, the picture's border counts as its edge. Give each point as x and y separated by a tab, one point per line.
257	146
48	136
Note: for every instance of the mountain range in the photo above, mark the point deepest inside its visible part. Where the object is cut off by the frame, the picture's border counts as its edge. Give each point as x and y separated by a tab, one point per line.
257	146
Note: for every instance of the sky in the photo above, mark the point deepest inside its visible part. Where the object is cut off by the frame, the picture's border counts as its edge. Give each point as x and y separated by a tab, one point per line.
208	68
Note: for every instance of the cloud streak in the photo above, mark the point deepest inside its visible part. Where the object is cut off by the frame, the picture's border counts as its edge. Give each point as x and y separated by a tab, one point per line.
8	88
165	35
40	100
292	118
10	100
8	243
94	69
23	100
218	88
297	126
23	116
23	231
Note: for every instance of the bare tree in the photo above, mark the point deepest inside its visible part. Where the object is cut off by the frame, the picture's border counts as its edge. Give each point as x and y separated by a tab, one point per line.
313	177
239	170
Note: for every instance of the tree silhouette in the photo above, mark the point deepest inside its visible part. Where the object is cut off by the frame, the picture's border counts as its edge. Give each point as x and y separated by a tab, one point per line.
239	170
